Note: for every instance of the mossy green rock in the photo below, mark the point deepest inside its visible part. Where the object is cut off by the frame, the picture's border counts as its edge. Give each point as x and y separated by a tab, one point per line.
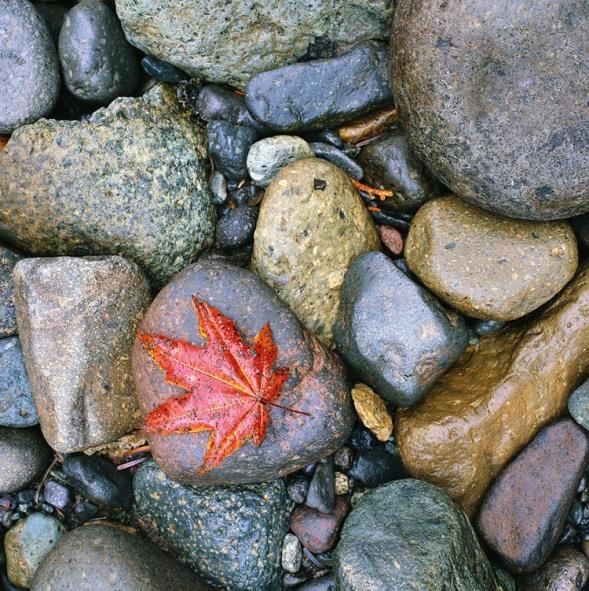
231	535
409	536
129	180
488	266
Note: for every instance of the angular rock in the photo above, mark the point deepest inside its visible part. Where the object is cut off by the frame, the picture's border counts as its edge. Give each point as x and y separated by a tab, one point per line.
77	319
27	544
318	531
8	260
389	163
232	536
372	411
409	535
316	382
497	397
487	266
29	69
566	570
475	86
215	103
104	557
523	514
578	405
229	145
312	224
229	43
393	332
322	93
268	156
373	467
97	62
16	399
162	71
321	493
24	456
129	180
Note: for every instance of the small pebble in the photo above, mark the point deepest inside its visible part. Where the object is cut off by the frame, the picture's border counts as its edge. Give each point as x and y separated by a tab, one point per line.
342	484
321	493
578	405
297	488
392	239
486	327
57	494
214	103
374	467
368	126
229	145
362	438
163	71
236	228
339	158
84	510
372	411
291	554
343	458
218	188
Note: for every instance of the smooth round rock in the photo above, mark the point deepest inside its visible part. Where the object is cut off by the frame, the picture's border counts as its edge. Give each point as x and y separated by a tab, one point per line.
27	544
230	42
578	405
316	385
488	266
236	227
128	180
475	83
29	69
312	224
232	536
98	63
291	554
24	456
409	535
8	260
105	557
16	398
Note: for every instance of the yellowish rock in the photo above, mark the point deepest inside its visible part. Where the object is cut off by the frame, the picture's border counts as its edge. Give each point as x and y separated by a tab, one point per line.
342	484
372	411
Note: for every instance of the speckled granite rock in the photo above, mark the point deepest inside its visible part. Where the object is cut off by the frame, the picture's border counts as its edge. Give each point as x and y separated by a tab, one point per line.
389	163
77	319
229	43
105	557
130	180
29	69
16	399
232	536
475	84
316	383
7	315
523	514
497	397
409	535
24	456
27	544
487	266
393	332
321	93
566	570
98	64
312	224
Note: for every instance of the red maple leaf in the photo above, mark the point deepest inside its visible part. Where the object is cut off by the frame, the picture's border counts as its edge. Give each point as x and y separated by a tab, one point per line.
228	382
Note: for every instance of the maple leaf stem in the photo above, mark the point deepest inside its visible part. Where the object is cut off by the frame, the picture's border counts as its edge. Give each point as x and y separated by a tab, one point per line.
298	412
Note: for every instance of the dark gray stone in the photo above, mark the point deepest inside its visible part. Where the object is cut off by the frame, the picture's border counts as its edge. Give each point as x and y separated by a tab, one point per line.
236	227
24	456
321	493
162	71
29	68
99	480
215	103
409	535
337	157
8	260
389	163
323	93
129	180
229	42
106	557
580	225
373	467
16	399
297	488
403	344
232	536
53	15
229	145
475	83
578	405
218	188
97	62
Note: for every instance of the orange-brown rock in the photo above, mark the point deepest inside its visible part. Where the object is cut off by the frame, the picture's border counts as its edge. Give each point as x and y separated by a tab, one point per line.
497	397
368	126
3	141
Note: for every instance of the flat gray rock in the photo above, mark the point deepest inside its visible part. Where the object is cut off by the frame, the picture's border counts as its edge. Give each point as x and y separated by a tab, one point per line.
229	42
129	180
493	97
29	69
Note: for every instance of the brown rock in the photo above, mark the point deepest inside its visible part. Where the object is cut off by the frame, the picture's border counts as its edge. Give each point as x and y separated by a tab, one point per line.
485	265
392	239
368	126
372	411
316	383
497	397
566	570
3	141
318	531
525	509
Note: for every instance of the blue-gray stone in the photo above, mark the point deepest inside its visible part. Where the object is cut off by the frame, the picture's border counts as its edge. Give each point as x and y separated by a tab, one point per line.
161	70
16	399
8	260
232	535
337	157
402	345
579	405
